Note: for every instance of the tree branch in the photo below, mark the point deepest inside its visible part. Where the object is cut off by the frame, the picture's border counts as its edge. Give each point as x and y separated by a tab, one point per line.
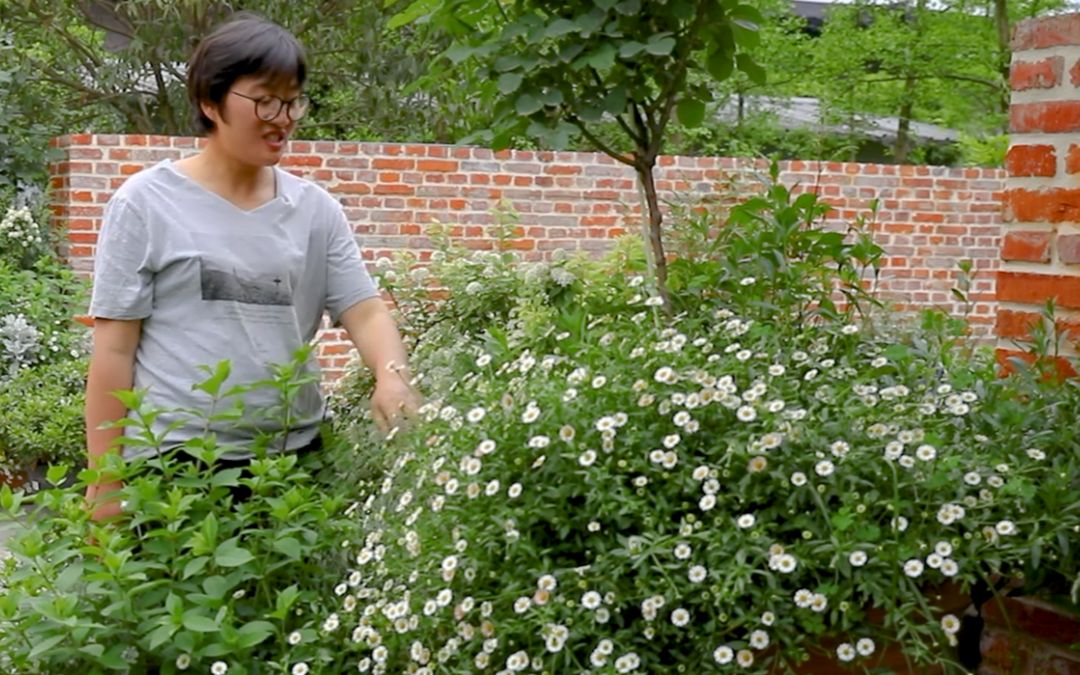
598	143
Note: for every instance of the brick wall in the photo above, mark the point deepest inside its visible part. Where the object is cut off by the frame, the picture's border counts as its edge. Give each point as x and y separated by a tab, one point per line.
1041	233
929	218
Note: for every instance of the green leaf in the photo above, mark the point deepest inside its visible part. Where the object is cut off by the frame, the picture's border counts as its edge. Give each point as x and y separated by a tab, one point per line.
747	13
615	102
56	474
227	477
289	546
628	7
755	72
69	577
411	13
45	645
720	65
230	554
254	632
195	566
746	34
630	49
160	636
660	46
212	384
458	53
691	112
601	58
560	27
527	104
199	623
508	83
215	586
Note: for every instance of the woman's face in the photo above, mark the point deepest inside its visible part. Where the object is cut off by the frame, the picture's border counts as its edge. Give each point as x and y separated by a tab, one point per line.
240	131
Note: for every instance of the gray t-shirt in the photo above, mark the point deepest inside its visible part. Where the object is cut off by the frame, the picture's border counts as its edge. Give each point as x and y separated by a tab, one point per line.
212	282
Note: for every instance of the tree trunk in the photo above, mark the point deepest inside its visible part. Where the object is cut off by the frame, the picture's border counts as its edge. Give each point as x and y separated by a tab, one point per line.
644	169
903	127
1004	31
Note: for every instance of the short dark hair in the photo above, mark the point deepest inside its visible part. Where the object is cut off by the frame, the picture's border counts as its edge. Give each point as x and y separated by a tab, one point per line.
246	44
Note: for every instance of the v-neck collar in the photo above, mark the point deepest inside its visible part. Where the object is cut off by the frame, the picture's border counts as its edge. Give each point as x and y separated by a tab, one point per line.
277	198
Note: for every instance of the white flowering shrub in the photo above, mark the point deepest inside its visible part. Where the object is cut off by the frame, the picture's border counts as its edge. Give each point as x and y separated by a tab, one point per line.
756	480
22	240
41	350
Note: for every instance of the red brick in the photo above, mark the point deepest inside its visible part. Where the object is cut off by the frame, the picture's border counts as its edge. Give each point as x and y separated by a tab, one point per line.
1047	117
1068	247
1027	246
1044	74
1005	357
394	190
301	160
1017	325
1031	160
1056	205
1072	159
1035	289
1048	31
437	165
393	163
353	188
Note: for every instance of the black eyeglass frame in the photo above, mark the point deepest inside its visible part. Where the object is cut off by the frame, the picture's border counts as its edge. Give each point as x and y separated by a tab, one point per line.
302	99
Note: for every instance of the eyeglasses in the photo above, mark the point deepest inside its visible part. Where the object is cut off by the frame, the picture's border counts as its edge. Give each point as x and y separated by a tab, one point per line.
267	108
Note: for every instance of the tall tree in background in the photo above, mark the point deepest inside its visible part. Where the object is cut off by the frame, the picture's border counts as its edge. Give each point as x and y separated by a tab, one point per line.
563	69
122	63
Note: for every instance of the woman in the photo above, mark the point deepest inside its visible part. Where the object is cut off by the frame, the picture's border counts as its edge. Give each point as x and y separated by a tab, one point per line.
225	256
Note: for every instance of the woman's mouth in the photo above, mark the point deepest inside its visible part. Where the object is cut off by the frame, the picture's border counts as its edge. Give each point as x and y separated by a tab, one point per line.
275	140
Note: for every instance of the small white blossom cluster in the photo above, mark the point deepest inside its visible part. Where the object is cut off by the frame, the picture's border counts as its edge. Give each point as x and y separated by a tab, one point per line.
19	232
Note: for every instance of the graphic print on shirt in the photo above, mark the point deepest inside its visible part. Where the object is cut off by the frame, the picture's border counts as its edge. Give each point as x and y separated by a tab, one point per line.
246	288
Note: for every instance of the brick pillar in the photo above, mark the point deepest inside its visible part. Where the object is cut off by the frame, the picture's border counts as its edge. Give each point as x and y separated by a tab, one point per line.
1040	245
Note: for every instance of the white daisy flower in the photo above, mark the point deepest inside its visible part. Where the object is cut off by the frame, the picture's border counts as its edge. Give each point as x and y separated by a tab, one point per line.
746	521
723	655
926	452
950	624
824	468
803	598
759	639
949	567
591	600
798	479
680	617
219	668
819	603
746	413
865	646
858	558
845	651
913	568
745	658
683	551
697	574
1005	528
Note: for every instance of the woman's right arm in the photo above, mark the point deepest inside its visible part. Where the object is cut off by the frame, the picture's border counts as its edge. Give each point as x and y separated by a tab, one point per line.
112	368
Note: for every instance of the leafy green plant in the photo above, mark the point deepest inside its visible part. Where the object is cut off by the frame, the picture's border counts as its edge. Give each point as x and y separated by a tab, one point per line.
43	415
192	576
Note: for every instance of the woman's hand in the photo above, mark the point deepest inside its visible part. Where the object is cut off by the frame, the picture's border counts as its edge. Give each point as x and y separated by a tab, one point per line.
393	402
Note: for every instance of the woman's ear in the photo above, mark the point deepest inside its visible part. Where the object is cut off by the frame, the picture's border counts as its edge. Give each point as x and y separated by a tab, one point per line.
211	111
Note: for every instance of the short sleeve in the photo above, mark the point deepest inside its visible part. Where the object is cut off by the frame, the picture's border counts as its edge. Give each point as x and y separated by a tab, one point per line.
123	280
347	279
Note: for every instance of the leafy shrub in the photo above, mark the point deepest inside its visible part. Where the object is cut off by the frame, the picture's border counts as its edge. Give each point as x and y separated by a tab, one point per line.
763	476
189	577
43	415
